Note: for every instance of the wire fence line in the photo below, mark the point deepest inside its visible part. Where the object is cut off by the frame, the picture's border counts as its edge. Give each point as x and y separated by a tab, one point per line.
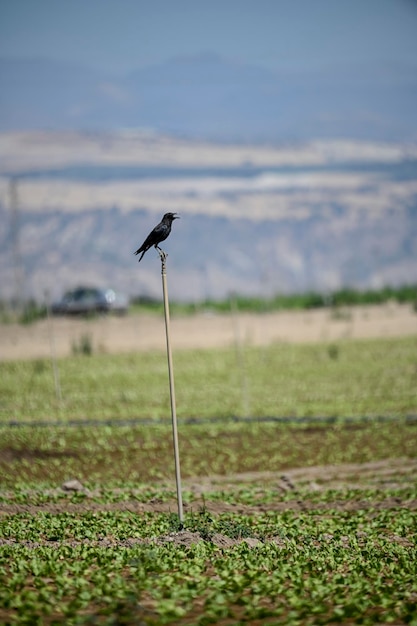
190	421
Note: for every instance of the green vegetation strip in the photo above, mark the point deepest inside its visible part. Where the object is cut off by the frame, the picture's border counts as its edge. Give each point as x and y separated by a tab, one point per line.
350	378
142	454
113	568
33	311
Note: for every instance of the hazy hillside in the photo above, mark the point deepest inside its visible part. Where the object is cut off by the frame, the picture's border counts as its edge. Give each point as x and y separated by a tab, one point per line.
210	97
254	220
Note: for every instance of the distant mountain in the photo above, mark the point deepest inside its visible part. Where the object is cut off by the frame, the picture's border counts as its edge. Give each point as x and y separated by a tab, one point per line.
209	97
209	256
318	216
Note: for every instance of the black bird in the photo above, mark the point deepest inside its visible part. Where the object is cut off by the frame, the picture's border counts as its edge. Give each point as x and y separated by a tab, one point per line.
158	234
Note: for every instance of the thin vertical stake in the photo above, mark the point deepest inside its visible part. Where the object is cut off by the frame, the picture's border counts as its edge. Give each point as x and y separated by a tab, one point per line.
53	350
172	388
240	356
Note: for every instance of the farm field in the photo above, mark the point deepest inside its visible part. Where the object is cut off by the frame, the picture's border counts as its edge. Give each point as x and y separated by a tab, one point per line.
306	514
144	332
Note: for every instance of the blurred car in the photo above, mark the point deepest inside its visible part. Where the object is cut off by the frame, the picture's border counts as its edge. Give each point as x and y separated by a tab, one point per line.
84	300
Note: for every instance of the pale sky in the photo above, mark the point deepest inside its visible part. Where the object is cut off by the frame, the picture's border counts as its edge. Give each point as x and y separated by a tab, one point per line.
121	35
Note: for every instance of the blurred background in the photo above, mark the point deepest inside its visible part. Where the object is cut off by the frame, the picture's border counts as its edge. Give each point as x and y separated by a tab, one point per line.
283	132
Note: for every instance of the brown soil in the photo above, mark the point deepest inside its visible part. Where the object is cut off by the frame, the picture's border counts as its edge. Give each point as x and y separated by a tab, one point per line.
147	332
382	475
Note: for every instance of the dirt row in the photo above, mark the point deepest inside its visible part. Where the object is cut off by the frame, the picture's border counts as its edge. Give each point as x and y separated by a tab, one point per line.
135	333
294	484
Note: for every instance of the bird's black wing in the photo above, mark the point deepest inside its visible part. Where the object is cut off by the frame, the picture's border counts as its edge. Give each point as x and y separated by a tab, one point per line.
150	240
162	231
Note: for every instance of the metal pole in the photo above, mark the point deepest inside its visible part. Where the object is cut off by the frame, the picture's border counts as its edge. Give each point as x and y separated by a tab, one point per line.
171	387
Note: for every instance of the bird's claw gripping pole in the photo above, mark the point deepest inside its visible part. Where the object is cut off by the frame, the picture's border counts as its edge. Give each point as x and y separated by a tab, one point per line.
162	254
163	257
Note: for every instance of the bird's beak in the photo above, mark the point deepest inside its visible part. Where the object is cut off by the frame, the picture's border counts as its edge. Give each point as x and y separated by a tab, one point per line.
176	216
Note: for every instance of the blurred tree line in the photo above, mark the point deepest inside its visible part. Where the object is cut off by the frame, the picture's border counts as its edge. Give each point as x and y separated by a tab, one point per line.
32	311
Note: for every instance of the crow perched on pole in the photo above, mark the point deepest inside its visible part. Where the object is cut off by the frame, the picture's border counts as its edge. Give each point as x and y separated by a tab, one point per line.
158	234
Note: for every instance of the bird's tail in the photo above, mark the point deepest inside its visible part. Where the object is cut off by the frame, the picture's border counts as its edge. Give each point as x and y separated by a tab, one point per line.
137	252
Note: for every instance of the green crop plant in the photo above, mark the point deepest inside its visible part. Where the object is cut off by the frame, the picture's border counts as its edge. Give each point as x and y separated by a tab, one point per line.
140	454
322	567
352	378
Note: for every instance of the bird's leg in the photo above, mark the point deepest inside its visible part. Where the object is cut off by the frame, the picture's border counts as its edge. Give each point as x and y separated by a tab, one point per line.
162	254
